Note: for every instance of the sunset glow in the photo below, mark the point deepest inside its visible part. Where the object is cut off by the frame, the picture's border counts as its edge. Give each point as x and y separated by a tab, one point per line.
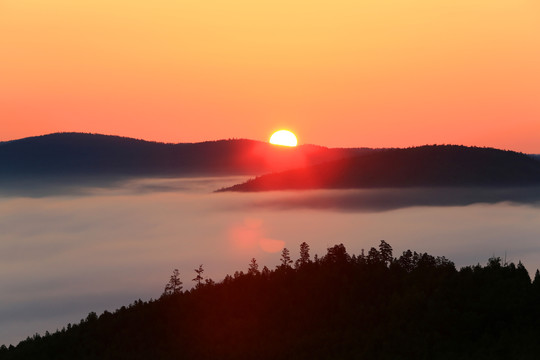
341	73
226	163
283	137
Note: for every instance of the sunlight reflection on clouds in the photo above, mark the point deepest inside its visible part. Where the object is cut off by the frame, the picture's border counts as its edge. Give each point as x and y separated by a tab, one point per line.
249	234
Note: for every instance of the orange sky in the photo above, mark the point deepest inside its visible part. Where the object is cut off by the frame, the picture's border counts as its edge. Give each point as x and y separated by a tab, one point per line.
338	73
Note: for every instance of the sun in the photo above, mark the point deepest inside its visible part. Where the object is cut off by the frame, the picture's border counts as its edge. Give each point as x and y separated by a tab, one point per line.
283	137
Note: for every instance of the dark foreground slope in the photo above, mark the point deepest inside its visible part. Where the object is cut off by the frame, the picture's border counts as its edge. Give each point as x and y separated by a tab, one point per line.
77	154
337	307
443	165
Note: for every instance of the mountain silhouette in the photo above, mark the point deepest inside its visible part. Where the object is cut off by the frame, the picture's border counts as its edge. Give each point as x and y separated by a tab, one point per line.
435	165
80	154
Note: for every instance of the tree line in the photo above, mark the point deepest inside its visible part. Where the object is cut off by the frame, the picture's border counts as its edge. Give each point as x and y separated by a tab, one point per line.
371	305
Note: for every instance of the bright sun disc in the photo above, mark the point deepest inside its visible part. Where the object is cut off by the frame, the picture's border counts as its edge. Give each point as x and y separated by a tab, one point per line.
283	137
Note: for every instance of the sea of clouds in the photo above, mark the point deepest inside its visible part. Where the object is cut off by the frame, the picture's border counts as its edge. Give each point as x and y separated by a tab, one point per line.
68	249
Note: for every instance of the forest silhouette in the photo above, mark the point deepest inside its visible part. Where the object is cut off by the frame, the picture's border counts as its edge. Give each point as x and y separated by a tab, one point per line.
370	305
81	155
423	166
64	159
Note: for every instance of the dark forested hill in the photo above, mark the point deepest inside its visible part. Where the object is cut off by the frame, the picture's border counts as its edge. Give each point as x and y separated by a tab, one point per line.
338	306
64	154
83	156
443	165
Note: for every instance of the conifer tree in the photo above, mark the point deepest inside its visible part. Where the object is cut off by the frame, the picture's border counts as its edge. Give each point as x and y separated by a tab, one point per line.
536	280
405	261
265	272
174	286
253	267
199	276
385	251
373	256
304	255
337	254
285	259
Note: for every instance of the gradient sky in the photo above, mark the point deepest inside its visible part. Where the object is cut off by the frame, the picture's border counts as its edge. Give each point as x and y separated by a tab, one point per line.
338	73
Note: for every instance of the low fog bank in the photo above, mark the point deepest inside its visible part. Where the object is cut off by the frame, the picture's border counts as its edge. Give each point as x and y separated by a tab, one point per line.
63	256
51	186
390	199
346	200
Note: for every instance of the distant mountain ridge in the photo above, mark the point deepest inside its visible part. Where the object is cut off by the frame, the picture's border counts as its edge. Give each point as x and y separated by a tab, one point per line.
74	157
81	154
435	165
